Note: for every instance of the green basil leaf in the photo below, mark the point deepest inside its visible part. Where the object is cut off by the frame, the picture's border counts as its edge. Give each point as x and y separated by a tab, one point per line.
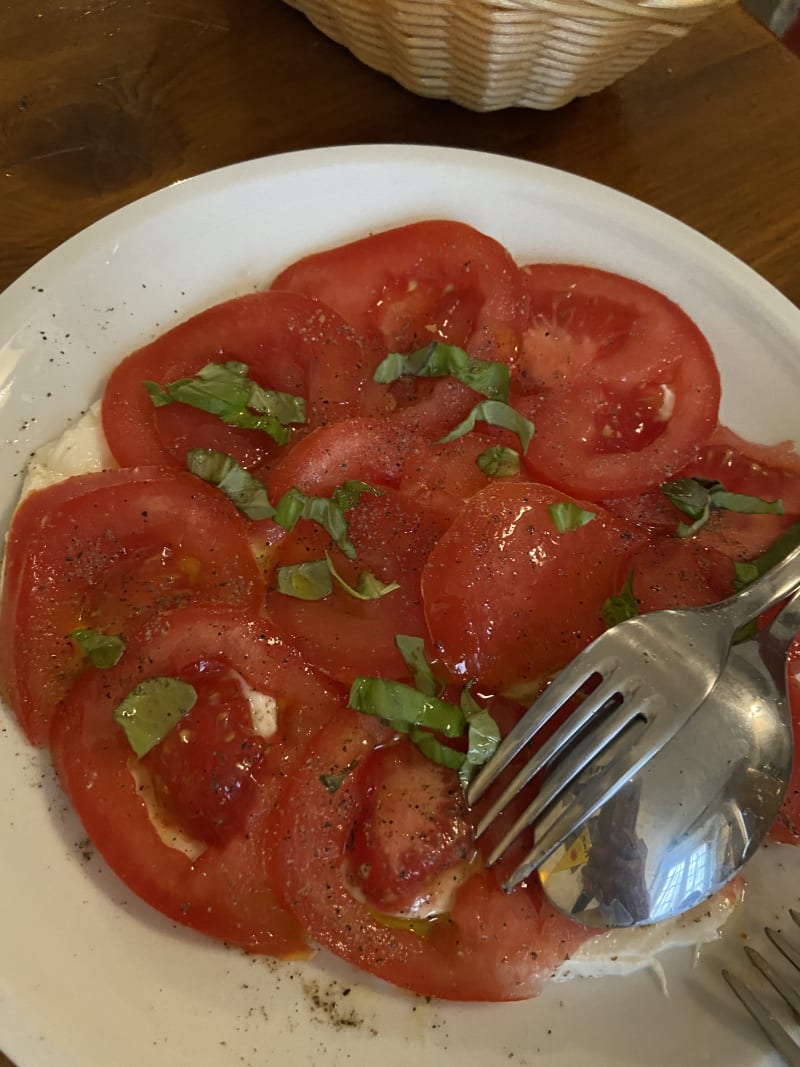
495	413
778	550
621	605
328	513
334	782
698	497
437	751
402	707
568	516
483	736
498	461
101	650
412	649
239	486
151	709
224	390
305	581
368	588
438	360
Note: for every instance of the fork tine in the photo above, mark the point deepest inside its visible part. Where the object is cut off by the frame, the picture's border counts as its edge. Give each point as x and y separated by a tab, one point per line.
564	686
776	1034
788	950
579	719
591	796
591	745
778	983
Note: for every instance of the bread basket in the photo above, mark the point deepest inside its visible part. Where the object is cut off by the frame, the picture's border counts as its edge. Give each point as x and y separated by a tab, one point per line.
492	54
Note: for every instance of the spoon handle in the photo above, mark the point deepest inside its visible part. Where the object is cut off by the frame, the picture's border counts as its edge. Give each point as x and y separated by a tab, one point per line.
786	624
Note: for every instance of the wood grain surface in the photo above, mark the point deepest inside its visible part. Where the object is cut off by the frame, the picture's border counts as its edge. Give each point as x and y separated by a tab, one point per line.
103	101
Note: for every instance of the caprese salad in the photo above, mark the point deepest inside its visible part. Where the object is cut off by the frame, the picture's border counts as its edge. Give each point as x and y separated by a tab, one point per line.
341	532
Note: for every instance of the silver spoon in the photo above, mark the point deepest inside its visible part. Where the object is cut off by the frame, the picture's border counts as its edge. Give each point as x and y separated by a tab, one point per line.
682	827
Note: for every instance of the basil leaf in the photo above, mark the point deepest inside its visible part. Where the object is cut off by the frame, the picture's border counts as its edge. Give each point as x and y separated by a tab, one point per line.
239	486
438	360
412	649
368	588
151	709
495	413
334	782
401	707
621	605
437	751
328	513
498	461
483	737
101	650
698	497
778	550
224	390
305	581
568	516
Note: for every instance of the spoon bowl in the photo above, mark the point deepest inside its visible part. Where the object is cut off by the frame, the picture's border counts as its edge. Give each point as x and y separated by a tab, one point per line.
683	826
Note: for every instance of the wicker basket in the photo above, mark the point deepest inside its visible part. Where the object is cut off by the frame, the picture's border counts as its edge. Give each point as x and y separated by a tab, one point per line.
491	54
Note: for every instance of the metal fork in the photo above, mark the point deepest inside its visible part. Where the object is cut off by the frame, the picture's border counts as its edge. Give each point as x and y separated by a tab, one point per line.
763	1015
654	672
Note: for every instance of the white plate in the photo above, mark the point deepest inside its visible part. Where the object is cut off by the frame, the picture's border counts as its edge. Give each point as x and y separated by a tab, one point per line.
90	977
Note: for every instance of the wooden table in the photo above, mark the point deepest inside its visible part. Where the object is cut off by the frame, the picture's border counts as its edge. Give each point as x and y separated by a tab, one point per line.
102	101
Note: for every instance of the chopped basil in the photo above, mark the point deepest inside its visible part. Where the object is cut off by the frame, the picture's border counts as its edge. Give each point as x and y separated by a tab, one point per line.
568	516
151	709
239	486
778	550
698	497
483	737
438	360
412	649
101	650
305	581
224	390
368	587
328	513
402	707
421	714
334	782
495	413
311	580
621	605
437	751
499	461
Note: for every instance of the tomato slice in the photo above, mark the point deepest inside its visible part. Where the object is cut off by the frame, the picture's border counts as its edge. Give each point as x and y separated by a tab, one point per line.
106	551
392	534
620	382
671	572
508	599
220	887
403	288
289	342
483	944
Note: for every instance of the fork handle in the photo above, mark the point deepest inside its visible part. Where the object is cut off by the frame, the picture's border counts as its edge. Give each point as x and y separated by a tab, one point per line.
778	582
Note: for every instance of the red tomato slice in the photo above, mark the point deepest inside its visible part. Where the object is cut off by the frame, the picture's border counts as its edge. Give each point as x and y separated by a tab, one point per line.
224	892
487	945
405	287
106	551
344	636
392	534
625	387
508	599
290	343
670	572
